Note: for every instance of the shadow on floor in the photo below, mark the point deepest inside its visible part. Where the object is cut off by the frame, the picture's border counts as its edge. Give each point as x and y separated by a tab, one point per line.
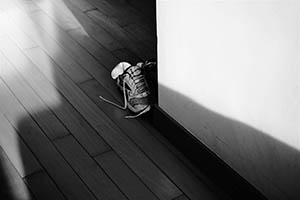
267	163
38	127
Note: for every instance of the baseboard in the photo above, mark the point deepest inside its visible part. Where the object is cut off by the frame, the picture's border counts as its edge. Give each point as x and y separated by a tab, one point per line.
203	158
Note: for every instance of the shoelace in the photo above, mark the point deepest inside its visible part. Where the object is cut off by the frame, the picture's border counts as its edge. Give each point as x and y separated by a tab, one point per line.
139	80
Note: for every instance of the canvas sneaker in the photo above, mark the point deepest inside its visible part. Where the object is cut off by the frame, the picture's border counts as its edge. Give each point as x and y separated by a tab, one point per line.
132	82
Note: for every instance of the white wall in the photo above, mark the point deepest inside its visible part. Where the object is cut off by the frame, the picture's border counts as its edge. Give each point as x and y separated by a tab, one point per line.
229	72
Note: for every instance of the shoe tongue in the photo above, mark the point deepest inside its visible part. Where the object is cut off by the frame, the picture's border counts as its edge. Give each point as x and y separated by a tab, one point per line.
119	69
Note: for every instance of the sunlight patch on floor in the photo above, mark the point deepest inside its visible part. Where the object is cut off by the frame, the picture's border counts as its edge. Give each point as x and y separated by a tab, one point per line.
54	10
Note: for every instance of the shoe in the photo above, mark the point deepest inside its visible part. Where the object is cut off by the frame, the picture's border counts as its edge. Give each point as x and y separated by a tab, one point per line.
150	70
132	82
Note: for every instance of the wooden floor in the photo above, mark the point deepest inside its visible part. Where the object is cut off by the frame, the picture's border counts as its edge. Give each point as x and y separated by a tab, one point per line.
58	139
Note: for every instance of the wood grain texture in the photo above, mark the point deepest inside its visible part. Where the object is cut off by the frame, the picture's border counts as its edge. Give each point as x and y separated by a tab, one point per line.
124	37
125	55
110	132
16	150
12	185
88	170
83	5
158	153
79	54
24	93
104	56
129	18
121	13
43	187
41	146
146	8
182	197
44	40
57	103
121	174
68	10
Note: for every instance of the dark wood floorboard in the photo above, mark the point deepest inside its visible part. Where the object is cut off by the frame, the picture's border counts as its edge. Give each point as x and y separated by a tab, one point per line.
12	144
149	144
121	174
68	10
88	170
108	130
43	187
47	92
182	197
41	146
12	185
58	139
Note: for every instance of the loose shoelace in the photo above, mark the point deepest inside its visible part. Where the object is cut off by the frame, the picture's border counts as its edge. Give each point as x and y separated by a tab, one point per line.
139	80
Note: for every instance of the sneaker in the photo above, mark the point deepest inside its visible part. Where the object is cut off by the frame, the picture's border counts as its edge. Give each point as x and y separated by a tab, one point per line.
150	70
132	82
